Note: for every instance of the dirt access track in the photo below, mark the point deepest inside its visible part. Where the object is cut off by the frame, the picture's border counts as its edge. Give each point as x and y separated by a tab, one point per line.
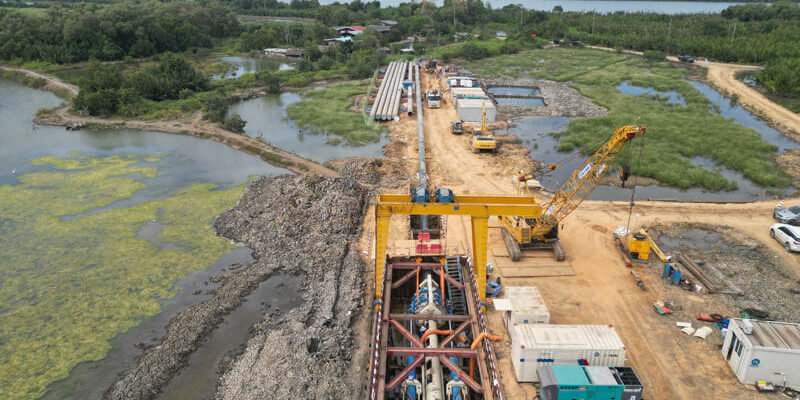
600	289
723	77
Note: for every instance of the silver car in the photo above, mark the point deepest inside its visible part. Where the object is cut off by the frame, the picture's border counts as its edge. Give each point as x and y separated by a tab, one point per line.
787	235
789	215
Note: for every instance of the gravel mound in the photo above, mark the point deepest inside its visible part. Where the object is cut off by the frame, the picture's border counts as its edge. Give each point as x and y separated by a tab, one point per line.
301	225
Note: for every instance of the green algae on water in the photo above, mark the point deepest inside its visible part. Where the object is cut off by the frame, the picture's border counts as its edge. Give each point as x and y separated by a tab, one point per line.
68	286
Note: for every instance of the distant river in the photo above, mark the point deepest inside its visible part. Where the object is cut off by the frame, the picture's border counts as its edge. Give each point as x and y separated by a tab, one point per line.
601	6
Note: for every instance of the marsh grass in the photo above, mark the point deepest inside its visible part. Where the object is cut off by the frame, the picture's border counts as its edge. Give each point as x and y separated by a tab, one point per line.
327	110
68	286
675	133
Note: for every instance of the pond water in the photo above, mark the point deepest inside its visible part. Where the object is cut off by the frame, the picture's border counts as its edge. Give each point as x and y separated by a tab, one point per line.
511	91
266	117
180	161
520	101
276	296
744	117
246	65
600	6
535	134
672	96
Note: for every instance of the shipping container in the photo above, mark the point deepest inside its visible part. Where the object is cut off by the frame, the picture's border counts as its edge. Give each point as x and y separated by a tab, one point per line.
534	345
763	351
469	110
522	305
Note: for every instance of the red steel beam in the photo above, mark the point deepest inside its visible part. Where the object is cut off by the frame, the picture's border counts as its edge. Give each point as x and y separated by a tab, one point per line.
404	373
461	374
403	331
404	279
431	317
413	265
461	328
431	352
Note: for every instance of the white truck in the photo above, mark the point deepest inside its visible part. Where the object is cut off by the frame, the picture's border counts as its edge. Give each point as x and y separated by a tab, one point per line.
434	98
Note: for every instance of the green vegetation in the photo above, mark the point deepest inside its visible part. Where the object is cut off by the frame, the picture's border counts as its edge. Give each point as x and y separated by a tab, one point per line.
675	133
68	286
326	111
136	29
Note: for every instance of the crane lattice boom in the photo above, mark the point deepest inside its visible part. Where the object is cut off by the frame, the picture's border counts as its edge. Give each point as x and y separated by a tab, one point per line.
584	179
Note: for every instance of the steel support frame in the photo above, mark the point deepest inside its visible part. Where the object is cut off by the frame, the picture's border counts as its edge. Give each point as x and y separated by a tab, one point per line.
419	351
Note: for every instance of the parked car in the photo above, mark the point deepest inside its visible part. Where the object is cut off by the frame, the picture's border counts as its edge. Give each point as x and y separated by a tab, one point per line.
789	215
686	59
787	235
577	43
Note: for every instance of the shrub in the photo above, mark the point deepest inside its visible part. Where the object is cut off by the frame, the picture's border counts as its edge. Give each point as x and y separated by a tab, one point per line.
654	55
234	123
215	107
325	63
472	51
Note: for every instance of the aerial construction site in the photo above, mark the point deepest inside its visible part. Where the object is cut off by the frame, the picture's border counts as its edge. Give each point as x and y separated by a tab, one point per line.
482	284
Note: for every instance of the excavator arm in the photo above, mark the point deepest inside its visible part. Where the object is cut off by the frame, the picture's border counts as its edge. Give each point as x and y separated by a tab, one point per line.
583	180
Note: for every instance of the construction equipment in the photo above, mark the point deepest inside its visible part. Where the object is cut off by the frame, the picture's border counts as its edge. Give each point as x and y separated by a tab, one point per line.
456	127
434	98
483	139
542	233
638	247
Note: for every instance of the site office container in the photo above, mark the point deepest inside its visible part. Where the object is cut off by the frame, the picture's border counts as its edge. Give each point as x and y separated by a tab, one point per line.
534	345
769	353
523	305
469	110
467	93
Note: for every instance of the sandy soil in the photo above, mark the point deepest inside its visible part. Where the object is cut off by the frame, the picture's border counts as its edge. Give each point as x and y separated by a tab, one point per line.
601	291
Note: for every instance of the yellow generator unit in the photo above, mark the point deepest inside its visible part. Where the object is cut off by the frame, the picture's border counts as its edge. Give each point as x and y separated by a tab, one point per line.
638	247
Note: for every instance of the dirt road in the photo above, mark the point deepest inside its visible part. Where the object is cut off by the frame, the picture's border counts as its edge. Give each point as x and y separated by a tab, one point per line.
53	84
723	76
601	291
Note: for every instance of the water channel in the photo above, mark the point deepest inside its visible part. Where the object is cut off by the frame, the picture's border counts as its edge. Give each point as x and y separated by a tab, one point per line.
266	118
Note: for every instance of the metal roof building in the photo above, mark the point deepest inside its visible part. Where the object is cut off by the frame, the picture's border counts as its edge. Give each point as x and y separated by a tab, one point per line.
763	351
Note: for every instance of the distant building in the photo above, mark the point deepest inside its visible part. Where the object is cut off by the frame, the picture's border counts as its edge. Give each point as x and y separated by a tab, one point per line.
384	50
389	23
350	31
336	41
501	35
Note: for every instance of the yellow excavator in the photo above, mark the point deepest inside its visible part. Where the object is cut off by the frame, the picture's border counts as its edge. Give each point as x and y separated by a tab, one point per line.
542	233
483	139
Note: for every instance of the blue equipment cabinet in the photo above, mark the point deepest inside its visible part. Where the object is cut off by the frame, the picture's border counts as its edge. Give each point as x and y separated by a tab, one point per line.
570	382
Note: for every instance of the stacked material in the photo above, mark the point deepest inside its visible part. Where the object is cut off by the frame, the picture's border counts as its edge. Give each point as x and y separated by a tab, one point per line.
387	101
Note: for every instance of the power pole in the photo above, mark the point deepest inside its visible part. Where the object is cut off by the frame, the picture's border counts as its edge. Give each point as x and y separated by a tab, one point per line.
593	18
733	35
669	29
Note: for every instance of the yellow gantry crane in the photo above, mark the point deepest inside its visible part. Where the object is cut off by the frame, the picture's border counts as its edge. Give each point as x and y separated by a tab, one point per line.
532	233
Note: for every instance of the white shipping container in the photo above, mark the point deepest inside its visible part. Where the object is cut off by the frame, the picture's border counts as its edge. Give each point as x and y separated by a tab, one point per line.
469	110
523	305
769	352
534	345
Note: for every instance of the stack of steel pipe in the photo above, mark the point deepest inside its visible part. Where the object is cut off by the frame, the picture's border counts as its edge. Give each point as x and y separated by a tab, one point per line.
387	100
